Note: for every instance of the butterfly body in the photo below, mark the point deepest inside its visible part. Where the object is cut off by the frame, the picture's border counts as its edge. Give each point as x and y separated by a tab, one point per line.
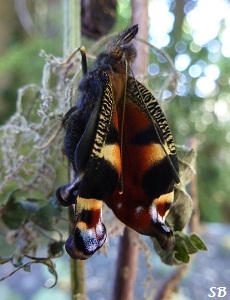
122	152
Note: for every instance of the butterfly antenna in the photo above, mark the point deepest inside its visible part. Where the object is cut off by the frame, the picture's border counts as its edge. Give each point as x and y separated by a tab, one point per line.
127	35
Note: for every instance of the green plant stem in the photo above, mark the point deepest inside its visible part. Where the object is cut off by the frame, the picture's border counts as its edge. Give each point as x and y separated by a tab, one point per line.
72	26
72	40
126	265
77	271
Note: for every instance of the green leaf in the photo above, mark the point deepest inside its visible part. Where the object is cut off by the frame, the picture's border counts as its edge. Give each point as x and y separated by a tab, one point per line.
196	240
55	249
185	246
44	217
13	213
181	254
32	205
186	159
180	211
40	211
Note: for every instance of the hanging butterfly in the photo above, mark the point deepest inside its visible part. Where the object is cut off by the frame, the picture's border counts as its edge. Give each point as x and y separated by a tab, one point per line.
122	153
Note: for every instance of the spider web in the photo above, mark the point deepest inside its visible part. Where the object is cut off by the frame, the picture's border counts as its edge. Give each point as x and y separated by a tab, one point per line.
31	143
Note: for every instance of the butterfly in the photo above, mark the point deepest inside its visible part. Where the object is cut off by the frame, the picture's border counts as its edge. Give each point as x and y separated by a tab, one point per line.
122	153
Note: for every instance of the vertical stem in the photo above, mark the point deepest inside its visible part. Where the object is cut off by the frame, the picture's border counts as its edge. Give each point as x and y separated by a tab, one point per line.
129	243
72	40
77	271
72	26
127	265
140	17
195	219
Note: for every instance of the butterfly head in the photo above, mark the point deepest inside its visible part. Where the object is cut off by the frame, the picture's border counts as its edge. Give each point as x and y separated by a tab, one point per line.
119	52
120	48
